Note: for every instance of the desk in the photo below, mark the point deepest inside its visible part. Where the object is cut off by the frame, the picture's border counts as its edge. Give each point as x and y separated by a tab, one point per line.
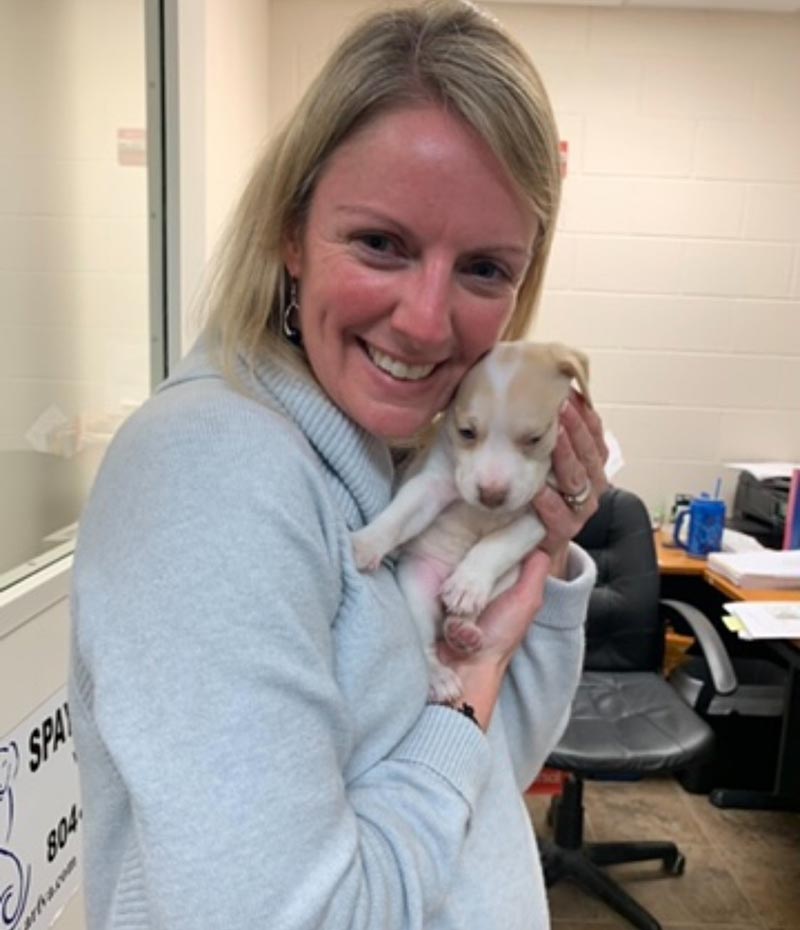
675	561
785	794
735	593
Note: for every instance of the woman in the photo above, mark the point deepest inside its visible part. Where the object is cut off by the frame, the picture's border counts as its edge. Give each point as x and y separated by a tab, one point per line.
250	711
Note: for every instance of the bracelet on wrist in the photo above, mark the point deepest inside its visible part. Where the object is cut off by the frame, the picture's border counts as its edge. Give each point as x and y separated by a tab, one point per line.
463	708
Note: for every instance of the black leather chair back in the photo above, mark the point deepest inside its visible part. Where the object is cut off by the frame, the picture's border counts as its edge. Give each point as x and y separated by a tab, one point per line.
625	631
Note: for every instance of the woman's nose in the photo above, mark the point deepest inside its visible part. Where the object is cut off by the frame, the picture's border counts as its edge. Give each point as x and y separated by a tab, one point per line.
423	315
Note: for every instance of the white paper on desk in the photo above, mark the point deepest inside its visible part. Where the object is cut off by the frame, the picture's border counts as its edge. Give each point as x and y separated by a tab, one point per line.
764	470
767	568
768	619
734	541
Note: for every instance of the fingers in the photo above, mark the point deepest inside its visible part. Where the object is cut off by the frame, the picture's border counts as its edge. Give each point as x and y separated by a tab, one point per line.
508	617
528	592
581	451
571	473
562	521
578	464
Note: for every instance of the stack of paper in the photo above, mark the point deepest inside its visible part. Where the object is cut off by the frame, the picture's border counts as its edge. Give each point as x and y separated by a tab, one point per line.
765	569
765	619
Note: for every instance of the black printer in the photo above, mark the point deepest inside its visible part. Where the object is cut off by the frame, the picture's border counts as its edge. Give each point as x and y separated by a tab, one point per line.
759	508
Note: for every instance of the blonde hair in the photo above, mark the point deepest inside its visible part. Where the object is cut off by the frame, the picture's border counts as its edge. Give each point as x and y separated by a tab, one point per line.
441	51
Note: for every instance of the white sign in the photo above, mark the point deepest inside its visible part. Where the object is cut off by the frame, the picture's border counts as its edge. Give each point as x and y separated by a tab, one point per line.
40	818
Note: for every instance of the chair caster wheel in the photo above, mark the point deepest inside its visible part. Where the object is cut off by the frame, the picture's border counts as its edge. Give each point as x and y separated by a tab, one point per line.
677	866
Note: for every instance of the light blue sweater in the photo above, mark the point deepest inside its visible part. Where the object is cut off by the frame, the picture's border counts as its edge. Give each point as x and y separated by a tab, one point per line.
250	711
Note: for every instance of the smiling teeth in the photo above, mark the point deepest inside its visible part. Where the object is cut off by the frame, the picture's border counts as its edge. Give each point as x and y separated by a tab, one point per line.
397	369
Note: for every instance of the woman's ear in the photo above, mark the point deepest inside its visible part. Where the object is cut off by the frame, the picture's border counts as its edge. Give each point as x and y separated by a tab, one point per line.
292	251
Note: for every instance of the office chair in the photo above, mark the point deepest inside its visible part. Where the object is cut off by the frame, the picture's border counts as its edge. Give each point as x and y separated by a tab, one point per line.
626	720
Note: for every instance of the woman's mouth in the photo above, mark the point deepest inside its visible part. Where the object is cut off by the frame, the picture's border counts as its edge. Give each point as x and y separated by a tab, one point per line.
396	368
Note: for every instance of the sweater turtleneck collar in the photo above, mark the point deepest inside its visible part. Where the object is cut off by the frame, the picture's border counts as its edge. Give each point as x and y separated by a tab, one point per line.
359	461
359	464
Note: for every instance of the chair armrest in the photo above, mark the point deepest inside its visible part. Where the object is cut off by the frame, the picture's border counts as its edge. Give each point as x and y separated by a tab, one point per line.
722	672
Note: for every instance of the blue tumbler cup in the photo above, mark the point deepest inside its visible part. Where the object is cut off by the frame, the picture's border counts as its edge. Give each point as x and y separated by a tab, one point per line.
706	518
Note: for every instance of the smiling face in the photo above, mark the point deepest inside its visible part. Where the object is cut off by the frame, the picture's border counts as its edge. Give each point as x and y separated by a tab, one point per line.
407	265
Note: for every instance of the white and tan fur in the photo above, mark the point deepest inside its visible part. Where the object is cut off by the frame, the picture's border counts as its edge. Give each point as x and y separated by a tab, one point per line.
462	512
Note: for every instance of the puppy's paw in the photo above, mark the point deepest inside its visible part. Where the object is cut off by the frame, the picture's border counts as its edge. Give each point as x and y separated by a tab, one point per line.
444	686
463	634
368	552
465	592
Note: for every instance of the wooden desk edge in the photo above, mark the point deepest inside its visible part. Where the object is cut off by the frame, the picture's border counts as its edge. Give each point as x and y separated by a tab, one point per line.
674	561
735	593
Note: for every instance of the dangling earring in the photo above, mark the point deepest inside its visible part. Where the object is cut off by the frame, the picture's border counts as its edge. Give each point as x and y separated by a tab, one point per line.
291	332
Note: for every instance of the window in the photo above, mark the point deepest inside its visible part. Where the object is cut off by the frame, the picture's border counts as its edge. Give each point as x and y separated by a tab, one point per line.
76	338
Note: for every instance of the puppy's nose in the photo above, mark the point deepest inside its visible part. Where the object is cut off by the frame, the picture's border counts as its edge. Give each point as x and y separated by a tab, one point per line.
492	495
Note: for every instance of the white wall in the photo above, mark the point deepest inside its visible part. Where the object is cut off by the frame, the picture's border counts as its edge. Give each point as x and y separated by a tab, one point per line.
223	78
677	265
237	100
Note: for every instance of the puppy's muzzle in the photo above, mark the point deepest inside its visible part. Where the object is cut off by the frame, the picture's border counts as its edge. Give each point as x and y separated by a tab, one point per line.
492	495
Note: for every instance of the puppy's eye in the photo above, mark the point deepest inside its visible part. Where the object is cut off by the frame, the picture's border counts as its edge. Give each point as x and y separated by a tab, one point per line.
467	433
530	441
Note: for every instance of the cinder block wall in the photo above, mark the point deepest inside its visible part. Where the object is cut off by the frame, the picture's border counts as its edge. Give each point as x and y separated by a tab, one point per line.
678	260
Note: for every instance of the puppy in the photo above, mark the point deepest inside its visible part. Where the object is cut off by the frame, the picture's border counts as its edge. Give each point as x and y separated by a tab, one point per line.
462	512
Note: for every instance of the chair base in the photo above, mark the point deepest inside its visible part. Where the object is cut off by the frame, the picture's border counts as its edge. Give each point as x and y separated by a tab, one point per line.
568	857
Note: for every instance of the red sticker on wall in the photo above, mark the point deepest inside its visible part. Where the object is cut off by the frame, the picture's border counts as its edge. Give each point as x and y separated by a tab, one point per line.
131	147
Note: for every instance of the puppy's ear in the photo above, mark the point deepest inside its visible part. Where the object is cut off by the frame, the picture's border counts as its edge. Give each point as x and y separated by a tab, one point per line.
575	364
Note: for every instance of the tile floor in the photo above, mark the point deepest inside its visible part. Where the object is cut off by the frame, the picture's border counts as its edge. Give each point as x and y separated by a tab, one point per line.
742	867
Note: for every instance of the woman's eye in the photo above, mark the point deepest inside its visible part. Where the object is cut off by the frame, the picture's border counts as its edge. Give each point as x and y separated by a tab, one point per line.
487	270
377	242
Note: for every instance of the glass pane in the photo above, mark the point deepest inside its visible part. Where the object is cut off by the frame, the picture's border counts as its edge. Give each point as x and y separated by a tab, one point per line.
74	318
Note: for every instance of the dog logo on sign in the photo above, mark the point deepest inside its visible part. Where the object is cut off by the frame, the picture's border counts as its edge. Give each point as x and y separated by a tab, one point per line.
15	879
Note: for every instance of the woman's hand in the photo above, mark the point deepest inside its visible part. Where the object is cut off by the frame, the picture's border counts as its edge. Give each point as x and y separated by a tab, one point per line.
503	624
579	467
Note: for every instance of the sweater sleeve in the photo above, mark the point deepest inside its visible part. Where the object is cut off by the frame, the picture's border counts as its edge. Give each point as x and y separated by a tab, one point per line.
206	595
539	687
